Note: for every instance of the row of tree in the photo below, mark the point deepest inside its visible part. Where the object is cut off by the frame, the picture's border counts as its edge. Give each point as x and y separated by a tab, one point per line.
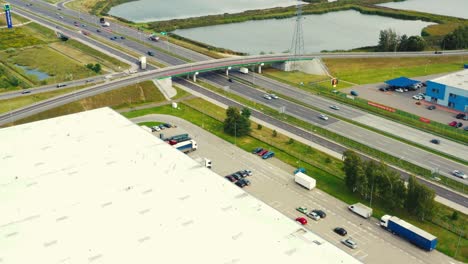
458	39
389	40
376	181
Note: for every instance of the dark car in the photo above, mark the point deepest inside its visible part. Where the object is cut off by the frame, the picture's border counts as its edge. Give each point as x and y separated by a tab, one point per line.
229	80
340	231
383	89
98	30
321	213
437	52
354	93
257	150
466	128
237	176
459	124
26	92
435	141
268	155
150	53
242	183
460	116
167	125
453	124
431	107
230	178
122	37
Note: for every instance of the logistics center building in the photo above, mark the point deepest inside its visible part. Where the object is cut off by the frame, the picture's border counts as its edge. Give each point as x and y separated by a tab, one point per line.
450	90
93	187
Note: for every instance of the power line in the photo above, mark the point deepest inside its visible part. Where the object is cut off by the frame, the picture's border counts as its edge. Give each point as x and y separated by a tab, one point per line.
297	43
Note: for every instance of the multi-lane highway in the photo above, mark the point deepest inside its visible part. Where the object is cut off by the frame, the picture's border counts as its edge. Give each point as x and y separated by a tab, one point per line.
171	71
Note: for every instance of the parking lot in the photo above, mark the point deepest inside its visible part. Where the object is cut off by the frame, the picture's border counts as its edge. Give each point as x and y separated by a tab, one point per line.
273	183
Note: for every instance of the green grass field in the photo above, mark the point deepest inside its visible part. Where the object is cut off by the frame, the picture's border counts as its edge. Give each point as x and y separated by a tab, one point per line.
374	70
17	38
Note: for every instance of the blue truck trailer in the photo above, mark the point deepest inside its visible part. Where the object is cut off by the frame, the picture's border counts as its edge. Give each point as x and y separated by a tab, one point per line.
409	232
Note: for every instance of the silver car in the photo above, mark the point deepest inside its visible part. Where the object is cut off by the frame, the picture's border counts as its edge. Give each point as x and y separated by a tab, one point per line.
349	243
313	215
334	107
459	174
267	96
324	117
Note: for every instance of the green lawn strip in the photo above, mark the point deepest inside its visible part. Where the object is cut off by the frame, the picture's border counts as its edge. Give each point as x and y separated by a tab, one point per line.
18	38
150	124
375	70
408	166
327	182
97	54
454	158
180	92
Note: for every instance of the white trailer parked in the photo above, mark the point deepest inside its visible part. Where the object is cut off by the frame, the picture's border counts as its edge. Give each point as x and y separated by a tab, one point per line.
305	180
361	210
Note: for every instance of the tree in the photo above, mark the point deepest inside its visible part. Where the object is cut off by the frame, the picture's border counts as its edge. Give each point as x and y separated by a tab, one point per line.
403	45
388	40
246	112
420	199
97	68
415	43
458	39
236	124
353	169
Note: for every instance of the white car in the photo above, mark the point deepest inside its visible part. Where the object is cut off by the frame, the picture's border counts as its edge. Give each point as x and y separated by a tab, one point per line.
324	117
156	128
267	96
417	97
335	107
399	90
313	215
349	242
459	174
274	96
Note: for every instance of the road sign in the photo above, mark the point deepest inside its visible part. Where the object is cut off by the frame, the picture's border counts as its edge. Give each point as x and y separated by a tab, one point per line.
7	9
164	33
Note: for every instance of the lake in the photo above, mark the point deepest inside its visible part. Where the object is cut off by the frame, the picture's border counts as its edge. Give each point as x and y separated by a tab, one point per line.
455	8
157	10
331	31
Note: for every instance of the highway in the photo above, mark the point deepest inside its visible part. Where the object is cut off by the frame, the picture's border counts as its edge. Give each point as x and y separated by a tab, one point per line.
391	146
177	70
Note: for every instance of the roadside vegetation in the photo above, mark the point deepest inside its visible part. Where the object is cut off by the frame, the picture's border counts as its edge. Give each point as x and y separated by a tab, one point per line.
32	55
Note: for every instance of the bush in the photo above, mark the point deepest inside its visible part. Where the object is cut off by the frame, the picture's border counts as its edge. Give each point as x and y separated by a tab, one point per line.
259	127
454	215
274	133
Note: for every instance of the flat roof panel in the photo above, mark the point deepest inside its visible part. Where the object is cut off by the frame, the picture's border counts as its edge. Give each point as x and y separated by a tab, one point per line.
457	79
94	187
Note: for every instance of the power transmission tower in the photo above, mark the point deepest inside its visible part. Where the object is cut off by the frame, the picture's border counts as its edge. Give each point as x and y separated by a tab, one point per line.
297	44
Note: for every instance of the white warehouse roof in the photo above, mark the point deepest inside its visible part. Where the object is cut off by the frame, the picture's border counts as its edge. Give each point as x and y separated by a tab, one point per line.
93	187
457	79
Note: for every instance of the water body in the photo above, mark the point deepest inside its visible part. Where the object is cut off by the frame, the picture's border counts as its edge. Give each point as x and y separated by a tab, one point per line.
35	72
157	10
455	8
341	30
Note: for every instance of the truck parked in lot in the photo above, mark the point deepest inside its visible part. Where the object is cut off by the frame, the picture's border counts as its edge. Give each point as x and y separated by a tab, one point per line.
244	70
409	232
361	210
304	180
186	146
178	138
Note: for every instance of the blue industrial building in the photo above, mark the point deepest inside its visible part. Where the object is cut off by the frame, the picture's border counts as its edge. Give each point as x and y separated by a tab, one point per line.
449	90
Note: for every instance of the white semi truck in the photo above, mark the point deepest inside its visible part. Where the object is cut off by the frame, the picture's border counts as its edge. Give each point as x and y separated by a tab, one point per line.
143	62
244	70
305	180
361	210
186	146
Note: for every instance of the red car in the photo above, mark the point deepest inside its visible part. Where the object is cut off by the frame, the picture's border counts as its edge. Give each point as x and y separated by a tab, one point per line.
302	220
263	152
453	123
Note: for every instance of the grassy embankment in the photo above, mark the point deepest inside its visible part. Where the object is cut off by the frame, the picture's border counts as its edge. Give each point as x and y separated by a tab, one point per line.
36	47
325	169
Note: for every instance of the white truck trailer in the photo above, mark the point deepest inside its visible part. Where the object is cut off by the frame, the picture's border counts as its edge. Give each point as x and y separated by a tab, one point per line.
305	180
143	62
361	210
244	70
186	146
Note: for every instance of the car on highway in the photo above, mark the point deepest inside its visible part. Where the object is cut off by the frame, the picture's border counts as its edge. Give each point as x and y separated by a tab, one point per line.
257	150
459	174
242	183
267	96
302	209
431	107
150	53
453	123
320	213
98	30
340	231
229	80
269	154
25	92
313	215
83	25
334	107
61	17
435	141
301	220
323	117
349	243
274	96
122	37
